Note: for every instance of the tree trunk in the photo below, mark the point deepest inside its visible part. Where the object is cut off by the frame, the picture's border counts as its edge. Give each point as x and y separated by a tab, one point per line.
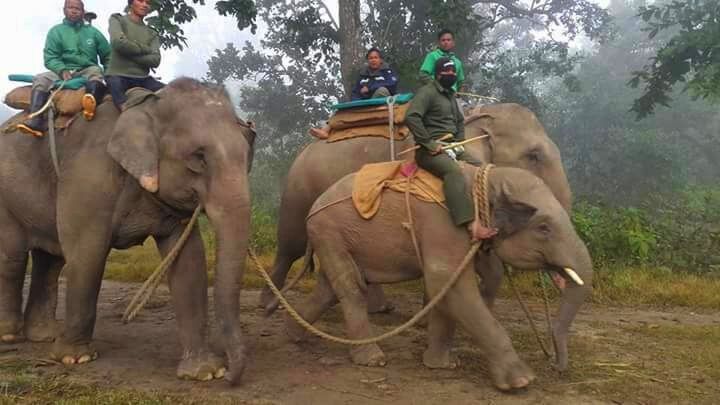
351	49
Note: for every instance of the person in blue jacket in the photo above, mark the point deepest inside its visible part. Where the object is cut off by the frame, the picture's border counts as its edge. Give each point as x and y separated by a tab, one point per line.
377	79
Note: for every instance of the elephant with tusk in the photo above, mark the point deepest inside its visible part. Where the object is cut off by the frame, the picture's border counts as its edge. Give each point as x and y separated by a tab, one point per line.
534	231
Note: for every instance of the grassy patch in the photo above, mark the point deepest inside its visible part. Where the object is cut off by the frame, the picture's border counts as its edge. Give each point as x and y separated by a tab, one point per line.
641	364
21	382
632	286
652	286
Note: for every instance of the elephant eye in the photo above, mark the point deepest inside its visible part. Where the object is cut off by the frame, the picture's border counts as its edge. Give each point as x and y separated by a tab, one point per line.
534	155
196	162
544	229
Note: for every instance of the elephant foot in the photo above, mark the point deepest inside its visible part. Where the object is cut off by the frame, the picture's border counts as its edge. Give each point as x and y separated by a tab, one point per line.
442	359
41	331
237	361
202	367
382	308
511	376
295	332
11	332
266	297
368	355
73	354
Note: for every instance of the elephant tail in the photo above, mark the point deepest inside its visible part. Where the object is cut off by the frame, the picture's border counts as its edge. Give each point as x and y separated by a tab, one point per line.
308	265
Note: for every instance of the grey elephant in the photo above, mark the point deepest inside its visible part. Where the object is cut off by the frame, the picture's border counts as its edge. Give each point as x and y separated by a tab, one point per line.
121	179
535	232
516	139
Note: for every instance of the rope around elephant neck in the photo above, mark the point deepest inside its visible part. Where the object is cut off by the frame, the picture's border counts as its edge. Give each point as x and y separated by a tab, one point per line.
479	192
142	296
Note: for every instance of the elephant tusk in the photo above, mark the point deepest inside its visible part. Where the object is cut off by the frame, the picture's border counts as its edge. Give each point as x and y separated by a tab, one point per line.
574	276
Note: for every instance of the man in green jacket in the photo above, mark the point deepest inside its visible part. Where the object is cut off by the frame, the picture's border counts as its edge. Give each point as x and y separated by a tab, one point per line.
434	114
446	44
135	50
71	50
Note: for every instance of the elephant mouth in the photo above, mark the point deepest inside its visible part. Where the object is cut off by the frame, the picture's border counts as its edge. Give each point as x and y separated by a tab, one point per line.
561	276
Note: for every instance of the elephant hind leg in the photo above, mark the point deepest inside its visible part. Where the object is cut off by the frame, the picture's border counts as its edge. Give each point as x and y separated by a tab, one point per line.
40	324
351	290
13	262
320	300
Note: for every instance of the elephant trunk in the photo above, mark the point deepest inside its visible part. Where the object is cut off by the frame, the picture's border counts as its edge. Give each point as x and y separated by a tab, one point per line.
573	297
228	209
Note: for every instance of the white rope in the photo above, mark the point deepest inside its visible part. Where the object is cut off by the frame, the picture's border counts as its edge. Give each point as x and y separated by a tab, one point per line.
390	100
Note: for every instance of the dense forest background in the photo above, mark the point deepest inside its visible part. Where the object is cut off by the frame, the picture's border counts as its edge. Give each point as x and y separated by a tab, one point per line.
646	189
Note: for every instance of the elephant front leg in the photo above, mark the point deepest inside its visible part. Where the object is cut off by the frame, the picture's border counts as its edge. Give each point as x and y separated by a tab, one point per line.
464	303
84	270
188	282
40	324
441	330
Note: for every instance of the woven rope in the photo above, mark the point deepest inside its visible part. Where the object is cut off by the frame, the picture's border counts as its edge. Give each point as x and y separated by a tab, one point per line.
142	296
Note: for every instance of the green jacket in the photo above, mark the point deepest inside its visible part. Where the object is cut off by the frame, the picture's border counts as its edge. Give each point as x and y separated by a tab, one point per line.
427	70
433	112
74	46
135	48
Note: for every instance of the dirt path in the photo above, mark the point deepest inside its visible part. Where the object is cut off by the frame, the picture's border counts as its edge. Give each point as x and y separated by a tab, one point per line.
617	356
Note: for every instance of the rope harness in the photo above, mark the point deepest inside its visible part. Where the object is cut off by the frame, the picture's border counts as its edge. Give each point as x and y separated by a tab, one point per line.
143	294
479	192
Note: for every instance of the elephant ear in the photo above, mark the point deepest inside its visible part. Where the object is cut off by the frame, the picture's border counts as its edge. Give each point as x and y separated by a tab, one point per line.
481	120
509	214
134	146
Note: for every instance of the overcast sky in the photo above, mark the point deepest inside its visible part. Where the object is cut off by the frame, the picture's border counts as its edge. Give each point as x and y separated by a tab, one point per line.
24	24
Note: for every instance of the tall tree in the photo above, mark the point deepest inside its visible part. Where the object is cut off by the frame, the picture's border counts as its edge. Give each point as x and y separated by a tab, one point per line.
349	36
691	55
173	13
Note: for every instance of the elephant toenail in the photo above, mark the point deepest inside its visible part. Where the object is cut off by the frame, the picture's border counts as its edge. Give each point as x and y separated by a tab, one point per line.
206	377
85	358
68	360
8	338
521	382
220	373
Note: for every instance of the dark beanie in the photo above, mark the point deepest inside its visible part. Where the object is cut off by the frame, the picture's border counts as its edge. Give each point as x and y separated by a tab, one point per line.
443	64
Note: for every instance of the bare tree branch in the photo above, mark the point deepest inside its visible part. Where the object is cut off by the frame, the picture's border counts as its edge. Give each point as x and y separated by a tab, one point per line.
329	14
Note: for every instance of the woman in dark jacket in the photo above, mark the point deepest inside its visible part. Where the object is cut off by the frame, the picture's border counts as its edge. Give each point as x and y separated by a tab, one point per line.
377	79
135	51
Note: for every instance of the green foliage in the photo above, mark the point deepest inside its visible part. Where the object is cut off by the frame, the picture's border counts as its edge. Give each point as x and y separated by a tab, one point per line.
690	56
263	230
680	233
173	13
614	235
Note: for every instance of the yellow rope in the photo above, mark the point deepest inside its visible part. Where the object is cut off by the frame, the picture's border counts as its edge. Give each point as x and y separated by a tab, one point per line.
480	192
357	342
146	290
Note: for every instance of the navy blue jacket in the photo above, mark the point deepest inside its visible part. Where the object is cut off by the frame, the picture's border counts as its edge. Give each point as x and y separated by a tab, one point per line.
374	79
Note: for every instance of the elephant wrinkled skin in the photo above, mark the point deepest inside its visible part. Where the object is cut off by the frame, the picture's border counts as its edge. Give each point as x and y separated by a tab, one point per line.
516	139
124	178
534	231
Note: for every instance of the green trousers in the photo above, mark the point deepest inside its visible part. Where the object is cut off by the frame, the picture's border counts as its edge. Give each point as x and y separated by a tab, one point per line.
457	196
